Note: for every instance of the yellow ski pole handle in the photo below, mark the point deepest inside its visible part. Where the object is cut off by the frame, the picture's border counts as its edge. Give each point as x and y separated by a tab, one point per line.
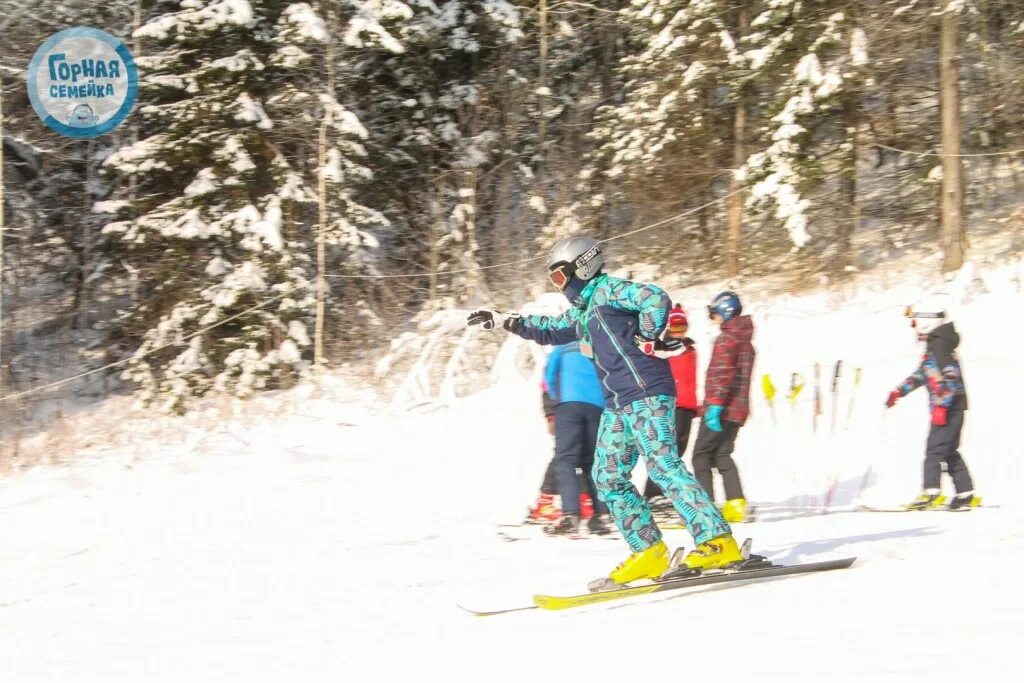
796	385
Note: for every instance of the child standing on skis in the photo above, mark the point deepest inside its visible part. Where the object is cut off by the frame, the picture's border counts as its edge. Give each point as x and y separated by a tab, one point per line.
572	385
619	324
726	402
940	372
684	372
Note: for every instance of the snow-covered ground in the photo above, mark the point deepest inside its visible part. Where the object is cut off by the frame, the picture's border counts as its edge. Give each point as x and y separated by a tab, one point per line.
337	540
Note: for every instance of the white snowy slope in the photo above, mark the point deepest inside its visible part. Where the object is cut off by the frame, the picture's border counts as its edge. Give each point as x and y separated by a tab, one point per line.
336	542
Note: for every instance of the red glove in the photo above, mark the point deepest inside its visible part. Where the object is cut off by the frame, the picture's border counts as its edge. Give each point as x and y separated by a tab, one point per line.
893	397
939	416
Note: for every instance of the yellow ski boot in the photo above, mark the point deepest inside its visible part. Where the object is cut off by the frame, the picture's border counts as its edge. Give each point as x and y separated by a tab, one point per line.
646	564
714	554
927	501
735	510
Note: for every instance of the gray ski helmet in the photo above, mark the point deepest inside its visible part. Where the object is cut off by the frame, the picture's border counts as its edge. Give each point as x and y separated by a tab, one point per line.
579	256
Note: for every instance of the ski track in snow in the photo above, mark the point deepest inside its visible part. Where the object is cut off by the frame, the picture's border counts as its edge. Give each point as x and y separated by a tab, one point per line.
337	544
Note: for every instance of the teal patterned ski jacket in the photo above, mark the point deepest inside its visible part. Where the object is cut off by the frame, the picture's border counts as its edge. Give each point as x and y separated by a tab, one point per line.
613	312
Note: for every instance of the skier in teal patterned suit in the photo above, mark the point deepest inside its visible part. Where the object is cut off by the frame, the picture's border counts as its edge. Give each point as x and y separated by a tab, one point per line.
620	324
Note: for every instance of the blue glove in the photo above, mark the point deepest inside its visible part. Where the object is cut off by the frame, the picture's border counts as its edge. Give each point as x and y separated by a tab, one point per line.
713	418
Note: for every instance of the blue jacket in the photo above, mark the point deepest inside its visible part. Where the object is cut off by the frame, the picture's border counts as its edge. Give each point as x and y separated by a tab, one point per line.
613	312
570	376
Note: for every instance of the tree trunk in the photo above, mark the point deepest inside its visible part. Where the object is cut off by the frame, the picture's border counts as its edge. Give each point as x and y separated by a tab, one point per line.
437	227
850	221
735	229
952	165
321	284
542	84
739	156
468	200
1	234
321	234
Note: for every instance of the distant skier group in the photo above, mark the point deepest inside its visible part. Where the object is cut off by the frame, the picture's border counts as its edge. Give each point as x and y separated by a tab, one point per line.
621	385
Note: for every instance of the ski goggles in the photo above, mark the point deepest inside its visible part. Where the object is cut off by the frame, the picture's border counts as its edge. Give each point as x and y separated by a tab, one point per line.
678	329
913	315
560	273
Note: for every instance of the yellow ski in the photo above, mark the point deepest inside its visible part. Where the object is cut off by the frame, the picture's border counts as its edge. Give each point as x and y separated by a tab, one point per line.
554	602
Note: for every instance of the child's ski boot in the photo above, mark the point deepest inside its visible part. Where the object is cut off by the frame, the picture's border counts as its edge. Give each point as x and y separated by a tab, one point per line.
963	502
568	525
735	510
714	554
586	506
928	500
544	510
649	563
597	526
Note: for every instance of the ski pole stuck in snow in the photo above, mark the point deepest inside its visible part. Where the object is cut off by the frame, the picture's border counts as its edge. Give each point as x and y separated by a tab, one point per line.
817	398
853	396
769	393
835	392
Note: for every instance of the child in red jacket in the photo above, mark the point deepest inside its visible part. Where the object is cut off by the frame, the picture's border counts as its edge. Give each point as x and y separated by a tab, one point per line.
684	372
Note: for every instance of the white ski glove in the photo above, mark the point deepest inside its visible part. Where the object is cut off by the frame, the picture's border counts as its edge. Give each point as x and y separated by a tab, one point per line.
491	319
659	348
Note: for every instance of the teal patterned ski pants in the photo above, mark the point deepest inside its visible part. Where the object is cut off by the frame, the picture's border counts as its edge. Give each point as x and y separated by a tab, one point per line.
648	427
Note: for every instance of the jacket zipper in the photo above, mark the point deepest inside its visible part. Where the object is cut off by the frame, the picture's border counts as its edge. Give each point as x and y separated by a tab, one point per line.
615	343
604	383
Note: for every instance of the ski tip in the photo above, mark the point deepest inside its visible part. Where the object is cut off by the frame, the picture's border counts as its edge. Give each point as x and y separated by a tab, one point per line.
491	613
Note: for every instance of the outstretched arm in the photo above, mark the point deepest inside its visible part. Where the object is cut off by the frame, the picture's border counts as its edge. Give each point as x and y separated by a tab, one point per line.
915	380
548	329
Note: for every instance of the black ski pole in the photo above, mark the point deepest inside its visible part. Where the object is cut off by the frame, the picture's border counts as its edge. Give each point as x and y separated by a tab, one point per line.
835	392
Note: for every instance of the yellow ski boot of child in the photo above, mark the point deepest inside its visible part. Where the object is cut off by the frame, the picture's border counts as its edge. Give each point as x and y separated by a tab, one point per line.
714	554
927	501
735	510
646	564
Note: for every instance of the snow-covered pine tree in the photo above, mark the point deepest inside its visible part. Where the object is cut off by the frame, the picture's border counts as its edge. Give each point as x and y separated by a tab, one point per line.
685	113
325	146
435	125
581	51
813	61
225	173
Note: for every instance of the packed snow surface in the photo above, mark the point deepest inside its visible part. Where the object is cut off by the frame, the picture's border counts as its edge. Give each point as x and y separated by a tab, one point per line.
336	538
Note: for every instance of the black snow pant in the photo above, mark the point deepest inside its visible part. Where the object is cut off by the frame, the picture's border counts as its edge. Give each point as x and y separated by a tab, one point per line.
684	418
576	426
943	445
714	450
548	486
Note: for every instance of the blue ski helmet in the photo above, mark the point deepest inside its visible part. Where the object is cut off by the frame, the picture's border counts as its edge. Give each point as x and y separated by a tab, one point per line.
727	305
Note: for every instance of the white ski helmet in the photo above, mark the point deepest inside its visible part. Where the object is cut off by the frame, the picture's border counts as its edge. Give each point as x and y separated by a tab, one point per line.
928	314
579	256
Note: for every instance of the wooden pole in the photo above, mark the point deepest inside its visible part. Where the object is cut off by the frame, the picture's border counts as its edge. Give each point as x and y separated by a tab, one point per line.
321	235
952	164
